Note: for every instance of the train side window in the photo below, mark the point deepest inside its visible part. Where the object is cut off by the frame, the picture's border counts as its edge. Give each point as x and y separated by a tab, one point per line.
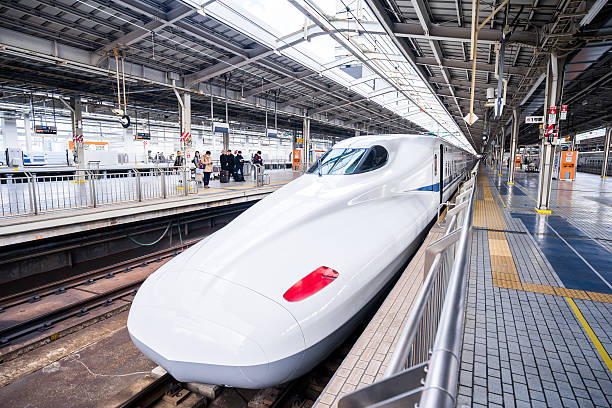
377	157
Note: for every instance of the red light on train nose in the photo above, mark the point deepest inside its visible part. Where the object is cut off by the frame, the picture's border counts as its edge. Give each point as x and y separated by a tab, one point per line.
311	284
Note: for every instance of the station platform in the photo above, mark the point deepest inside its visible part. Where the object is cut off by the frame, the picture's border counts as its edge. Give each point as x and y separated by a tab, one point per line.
25	228
538	323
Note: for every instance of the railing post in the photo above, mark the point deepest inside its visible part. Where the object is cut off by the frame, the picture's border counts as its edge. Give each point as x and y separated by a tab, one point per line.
138	186
163	183
185	186
92	188
32	187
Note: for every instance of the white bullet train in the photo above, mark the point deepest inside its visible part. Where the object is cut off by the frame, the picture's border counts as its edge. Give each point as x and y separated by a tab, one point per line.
265	299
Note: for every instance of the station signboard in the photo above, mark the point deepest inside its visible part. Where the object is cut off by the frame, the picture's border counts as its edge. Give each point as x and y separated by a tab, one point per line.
143	136
534	119
45	130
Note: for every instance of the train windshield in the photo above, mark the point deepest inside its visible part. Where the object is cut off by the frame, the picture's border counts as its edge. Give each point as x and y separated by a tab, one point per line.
350	161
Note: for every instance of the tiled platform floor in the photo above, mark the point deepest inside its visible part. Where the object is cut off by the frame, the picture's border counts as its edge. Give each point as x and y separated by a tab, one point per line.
538	332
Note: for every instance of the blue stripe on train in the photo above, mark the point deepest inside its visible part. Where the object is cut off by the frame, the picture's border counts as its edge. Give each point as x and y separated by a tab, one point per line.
436	187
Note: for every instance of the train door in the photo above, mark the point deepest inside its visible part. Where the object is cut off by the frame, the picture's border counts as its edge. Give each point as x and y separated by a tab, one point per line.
441	173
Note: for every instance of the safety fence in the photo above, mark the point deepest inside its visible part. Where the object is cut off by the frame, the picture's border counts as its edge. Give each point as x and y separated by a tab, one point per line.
424	367
40	193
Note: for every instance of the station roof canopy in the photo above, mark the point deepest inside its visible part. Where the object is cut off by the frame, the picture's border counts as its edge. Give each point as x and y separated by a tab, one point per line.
437	37
415	74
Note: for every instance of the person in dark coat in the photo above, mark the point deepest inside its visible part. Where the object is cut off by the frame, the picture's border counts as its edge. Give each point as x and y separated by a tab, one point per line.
179	161
223	160
257	158
231	164
239	160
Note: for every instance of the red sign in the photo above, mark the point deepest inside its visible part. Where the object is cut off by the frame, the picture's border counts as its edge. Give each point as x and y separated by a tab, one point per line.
563	112
552	114
563	108
77	138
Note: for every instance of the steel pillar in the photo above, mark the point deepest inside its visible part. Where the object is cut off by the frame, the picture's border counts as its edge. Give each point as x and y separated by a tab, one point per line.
516	117
554	88
306	137
604	167
501	150
186	137
27	127
76	115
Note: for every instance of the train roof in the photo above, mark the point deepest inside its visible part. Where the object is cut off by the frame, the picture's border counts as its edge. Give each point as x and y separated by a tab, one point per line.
370	140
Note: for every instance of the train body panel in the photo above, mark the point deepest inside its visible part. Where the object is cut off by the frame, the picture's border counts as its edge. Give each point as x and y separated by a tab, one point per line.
230	290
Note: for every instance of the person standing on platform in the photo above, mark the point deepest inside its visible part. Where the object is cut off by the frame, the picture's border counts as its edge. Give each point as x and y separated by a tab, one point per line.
239	160
223	160
196	159
231	164
180	160
208	168
257	158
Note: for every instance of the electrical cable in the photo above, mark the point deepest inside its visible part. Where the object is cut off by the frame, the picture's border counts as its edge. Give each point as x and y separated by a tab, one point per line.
156	241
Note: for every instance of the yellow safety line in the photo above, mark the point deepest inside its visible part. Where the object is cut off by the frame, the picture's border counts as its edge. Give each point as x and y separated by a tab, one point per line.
600	348
488	214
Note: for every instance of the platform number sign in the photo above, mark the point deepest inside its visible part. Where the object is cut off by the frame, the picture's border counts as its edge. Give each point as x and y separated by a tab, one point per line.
563	112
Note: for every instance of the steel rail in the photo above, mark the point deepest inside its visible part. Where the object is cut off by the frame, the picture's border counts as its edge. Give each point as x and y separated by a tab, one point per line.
150	394
47	320
35	294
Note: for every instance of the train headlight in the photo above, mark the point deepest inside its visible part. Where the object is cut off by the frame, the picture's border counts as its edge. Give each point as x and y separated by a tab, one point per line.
311	284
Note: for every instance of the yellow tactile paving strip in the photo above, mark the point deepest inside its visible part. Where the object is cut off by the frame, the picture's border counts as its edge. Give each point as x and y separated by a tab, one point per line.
488	214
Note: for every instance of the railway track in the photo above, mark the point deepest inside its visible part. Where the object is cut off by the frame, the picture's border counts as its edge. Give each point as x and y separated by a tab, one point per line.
33	310
45	320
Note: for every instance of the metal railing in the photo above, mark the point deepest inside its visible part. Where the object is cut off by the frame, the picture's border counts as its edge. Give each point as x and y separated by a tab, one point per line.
40	193
260	177
424	368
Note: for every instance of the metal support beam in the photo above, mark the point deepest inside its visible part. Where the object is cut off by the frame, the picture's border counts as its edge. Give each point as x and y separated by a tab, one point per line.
554	87
516	117
604	167
459	34
76	116
501	150
225	66
306	140
152	26
480	66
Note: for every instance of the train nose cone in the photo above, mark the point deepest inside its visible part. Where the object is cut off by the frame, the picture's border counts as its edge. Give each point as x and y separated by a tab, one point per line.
208	330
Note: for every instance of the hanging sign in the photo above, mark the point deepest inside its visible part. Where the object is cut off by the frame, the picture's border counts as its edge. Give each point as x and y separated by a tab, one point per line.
534	119
552	114
272	133
220	127
46	130
143	136
563	112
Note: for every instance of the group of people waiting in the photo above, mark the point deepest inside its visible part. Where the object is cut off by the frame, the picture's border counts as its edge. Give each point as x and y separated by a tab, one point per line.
204	166
233	163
